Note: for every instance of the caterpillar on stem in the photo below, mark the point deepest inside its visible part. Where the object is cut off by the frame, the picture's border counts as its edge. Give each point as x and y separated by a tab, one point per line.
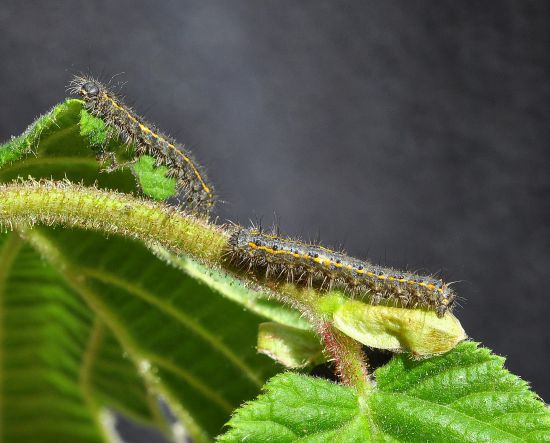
315	266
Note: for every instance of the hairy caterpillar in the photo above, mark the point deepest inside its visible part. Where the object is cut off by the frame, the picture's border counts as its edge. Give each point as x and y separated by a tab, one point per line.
191	179
320	267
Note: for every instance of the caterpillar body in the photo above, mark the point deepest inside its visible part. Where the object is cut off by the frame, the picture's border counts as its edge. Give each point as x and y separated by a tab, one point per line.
316	266
132	129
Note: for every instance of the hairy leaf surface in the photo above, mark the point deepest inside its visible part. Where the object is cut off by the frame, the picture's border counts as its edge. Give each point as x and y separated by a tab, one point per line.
463	396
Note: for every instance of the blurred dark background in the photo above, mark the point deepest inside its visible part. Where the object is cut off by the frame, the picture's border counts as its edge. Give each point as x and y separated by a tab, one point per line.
412	133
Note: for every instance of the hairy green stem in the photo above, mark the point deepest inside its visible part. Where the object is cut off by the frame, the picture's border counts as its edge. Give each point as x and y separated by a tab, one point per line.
53	203
348	357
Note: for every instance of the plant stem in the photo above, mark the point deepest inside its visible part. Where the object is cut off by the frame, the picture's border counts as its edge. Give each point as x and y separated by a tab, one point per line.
51	203
348	357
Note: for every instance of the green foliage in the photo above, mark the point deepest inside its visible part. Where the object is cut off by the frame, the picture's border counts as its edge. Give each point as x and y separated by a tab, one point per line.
88	322
463	396
290	346
300	408
53	148
94	130
153	180
45	330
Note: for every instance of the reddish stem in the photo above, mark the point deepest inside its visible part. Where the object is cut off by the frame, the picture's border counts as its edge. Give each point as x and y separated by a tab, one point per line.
347	354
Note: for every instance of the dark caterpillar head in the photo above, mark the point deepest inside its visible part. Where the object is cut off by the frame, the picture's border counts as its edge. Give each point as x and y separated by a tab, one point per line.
89	89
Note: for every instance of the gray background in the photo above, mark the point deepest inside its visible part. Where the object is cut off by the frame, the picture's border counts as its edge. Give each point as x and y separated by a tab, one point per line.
414	133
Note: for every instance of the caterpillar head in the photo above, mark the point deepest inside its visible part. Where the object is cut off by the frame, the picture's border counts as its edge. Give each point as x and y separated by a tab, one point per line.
89	89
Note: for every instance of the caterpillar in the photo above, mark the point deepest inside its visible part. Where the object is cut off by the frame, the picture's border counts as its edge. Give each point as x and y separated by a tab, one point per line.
316	266
132	129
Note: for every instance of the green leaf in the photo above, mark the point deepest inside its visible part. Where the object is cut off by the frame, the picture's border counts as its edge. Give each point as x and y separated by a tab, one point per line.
290	346
88	323
417	331
300	408
53	148
39	386
463	396
94	130
153	180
